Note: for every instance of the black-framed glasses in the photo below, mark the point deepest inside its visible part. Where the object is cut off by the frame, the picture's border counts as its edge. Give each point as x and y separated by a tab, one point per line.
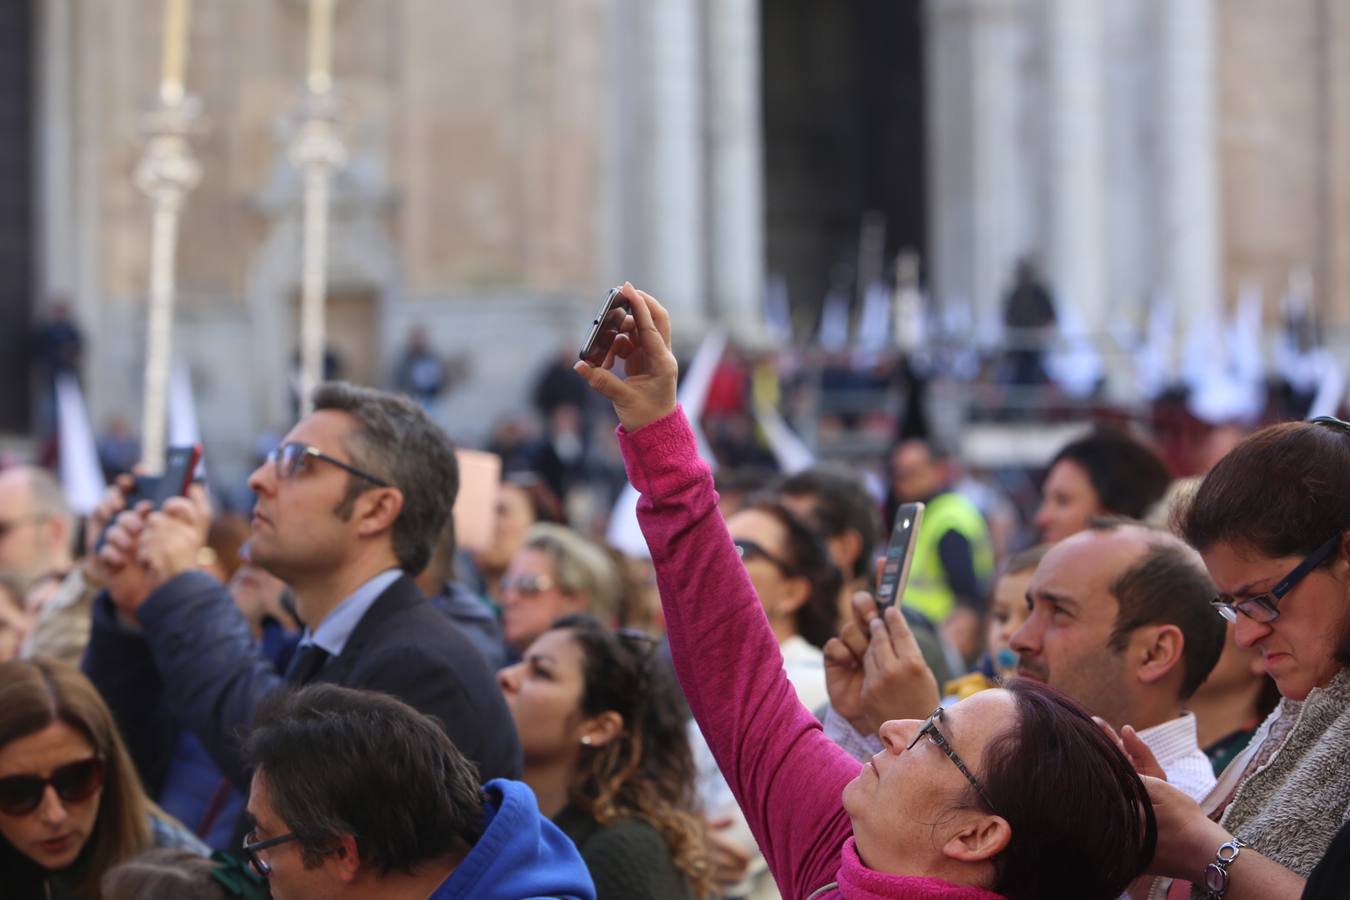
929	730
73	782
289	457
251	847
1263	607
749	550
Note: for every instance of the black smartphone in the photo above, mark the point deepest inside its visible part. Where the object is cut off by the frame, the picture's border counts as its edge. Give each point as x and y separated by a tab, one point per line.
180	466
899	554
605	327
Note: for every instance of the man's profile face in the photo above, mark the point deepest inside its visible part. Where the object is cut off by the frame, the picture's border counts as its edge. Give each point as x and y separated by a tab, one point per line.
1065	640
289	878
21	530
296	528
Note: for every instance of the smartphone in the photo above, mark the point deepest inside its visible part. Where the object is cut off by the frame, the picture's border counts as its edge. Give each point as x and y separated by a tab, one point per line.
180	467
605	327
899	555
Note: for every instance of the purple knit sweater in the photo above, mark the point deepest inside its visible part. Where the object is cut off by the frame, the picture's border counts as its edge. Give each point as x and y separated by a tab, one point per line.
787	776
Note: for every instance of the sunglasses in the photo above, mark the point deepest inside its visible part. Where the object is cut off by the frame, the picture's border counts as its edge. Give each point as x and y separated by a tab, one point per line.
929	730
528	584
289	458
251	847
1264	607
73	782
750	550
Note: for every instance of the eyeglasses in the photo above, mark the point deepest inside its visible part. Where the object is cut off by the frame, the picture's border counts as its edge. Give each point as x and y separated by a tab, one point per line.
929	729
289	457
528	584
1262	607
73	782
15	524
251	847
749	550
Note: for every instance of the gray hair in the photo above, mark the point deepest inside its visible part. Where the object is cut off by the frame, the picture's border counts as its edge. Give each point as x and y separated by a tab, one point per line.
397	441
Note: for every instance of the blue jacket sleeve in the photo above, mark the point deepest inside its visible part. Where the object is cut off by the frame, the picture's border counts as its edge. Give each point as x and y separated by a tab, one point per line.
118	662
213	674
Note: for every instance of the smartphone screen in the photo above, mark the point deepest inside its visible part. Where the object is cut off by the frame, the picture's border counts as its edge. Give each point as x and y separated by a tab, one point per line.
605	327
899	554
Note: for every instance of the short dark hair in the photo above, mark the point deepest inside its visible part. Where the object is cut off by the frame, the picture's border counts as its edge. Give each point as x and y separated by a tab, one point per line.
396	440
1128	475
839	503
1068	794
1284	491
1170	586
817	618
341	761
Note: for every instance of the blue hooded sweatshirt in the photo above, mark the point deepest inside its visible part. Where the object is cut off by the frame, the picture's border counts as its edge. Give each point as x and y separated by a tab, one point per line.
520	856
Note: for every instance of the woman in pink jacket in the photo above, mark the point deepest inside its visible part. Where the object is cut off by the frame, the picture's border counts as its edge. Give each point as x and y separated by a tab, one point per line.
1013	793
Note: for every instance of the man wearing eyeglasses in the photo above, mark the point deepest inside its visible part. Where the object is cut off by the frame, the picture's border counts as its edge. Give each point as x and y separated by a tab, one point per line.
1120	620
347	511
356	795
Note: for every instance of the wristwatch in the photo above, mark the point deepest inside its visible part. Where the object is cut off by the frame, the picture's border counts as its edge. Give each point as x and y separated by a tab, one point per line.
1216	873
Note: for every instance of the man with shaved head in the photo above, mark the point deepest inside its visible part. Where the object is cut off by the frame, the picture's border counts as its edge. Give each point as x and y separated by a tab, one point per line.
1120	620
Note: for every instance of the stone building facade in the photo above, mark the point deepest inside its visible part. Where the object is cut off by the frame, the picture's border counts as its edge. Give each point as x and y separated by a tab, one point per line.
508	161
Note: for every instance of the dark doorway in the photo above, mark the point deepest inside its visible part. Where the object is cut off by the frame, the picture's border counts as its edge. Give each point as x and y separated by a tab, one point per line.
17	88
843	136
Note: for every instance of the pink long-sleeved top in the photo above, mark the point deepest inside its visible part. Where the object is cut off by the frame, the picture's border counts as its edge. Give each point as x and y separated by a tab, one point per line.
786	774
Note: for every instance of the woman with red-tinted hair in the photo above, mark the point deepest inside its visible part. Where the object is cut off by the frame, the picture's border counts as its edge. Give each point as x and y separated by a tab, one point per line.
1012	793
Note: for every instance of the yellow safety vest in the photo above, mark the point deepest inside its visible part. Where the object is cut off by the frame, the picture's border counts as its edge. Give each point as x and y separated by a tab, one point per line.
928	590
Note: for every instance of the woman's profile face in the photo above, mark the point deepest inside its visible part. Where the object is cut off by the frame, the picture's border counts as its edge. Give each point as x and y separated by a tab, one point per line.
764	540
54	833
907	803
515	515
1299	649
543	692
1068	502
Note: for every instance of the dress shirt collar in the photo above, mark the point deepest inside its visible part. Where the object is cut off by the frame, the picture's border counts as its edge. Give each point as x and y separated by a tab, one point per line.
337	627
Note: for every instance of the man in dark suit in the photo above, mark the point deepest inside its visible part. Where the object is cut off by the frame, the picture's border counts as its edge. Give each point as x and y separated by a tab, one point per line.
348	509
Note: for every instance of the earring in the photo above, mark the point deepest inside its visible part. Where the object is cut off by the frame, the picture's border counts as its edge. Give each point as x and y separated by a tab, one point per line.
586	740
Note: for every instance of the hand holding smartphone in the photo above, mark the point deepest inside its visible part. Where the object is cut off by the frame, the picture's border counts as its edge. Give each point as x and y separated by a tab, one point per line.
180	467
605	327
899	554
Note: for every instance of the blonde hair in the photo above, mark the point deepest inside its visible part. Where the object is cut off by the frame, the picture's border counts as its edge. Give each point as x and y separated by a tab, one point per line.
580	567
35	694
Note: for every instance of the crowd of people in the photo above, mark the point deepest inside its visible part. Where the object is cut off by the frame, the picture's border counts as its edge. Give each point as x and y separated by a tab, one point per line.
333	699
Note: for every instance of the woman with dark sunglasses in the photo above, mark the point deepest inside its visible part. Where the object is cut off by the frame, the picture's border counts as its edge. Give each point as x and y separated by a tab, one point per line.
1272	522
602	728
1012	793
71	805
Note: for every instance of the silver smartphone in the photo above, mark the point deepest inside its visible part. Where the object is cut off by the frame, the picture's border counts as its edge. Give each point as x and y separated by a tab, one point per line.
605	327
899	554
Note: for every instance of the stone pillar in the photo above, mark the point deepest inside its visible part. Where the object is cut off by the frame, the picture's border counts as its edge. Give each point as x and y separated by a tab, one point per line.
1188	236
1076	262
735	210
980	202
55	209
676	269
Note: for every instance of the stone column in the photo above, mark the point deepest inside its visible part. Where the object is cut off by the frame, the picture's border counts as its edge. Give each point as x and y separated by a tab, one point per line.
980	198
735	210
675	218
1075	112
1188	236
57	261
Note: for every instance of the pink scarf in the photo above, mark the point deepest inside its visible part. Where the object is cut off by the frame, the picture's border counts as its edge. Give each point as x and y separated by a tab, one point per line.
857	882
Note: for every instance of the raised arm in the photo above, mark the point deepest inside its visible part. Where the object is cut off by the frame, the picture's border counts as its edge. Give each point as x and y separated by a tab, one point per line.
787	776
